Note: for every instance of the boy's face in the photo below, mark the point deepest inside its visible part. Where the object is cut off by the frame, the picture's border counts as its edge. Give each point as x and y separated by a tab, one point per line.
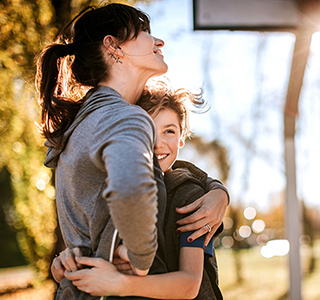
168	138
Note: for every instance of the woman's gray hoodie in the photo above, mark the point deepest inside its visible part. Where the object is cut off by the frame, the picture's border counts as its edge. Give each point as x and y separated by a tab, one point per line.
105	169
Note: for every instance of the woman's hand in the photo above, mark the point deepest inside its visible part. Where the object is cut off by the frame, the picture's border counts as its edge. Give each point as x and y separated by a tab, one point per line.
65	262
123	264
101	279
209	209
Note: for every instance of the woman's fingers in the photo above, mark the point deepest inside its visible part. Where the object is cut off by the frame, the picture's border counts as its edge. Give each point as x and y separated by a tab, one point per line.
118	261
202	212
210	209
67	259
187	209
77	253
124	267
122	252
190	207
198	233
57	270
197	225
209	235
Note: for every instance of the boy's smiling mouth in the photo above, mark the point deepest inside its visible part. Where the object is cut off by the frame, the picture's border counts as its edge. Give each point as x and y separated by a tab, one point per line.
162	156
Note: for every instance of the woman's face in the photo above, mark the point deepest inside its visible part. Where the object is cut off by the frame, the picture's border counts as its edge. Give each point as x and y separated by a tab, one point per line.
144	54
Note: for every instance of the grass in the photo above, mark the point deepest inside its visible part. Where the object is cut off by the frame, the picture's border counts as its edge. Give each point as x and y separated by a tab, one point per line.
263	278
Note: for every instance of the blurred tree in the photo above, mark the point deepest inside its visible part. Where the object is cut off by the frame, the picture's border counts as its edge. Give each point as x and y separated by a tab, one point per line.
10	255
235	215
214	153
23	24
311	222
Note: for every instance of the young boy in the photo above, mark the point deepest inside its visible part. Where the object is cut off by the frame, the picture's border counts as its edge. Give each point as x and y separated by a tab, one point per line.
192	267
184	181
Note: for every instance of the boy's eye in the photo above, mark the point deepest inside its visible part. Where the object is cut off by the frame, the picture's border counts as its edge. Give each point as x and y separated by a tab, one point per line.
170	131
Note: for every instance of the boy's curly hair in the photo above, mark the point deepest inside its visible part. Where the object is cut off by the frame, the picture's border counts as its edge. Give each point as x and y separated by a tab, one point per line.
158	95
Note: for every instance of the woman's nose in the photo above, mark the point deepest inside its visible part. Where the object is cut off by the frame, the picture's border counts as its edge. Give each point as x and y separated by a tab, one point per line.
158	42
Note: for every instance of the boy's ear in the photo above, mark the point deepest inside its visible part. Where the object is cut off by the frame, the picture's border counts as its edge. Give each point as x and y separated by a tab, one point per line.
181	142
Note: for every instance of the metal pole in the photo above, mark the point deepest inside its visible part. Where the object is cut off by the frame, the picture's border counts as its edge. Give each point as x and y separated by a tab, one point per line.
293	210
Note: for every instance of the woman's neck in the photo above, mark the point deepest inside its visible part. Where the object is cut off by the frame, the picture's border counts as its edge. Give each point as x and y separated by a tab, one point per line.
129	87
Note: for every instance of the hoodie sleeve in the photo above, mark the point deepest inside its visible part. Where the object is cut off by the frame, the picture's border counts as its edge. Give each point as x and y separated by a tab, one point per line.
124	145
213	184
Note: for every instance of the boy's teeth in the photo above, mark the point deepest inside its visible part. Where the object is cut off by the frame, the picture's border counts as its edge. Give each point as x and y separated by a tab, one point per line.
161	156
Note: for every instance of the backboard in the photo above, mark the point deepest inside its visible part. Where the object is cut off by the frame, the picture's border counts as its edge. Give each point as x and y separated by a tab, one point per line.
262	15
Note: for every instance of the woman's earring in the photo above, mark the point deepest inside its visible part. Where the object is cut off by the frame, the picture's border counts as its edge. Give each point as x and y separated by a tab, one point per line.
121	51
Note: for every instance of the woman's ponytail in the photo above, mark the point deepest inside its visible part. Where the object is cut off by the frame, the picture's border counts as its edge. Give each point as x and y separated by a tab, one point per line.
58	111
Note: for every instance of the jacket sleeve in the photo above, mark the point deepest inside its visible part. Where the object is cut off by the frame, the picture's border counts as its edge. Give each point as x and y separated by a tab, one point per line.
126	150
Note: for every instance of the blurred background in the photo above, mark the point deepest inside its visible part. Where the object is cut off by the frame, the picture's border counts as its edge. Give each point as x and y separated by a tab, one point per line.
240	140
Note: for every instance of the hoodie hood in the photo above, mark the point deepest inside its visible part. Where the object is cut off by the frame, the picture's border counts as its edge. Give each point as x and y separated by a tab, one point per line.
96	98
183	171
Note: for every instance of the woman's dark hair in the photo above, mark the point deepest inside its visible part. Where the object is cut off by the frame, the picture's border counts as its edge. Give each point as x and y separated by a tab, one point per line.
74	62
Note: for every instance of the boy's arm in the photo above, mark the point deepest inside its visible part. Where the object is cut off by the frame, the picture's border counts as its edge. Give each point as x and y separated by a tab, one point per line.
182	284
215	184
104	279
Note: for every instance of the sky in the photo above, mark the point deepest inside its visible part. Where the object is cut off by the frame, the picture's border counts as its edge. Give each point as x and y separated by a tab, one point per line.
245	77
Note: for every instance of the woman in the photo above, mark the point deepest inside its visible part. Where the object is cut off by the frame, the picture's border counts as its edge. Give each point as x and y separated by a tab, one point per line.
102	146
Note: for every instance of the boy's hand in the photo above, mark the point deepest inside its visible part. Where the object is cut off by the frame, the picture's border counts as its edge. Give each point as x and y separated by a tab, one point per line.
102	278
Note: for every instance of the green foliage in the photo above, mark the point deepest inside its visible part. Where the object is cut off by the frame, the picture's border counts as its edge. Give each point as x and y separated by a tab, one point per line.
23	25
23	154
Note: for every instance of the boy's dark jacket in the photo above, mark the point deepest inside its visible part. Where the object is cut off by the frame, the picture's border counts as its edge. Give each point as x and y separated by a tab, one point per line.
185	184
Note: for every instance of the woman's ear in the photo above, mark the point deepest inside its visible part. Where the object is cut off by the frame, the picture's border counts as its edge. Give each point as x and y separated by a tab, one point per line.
110	43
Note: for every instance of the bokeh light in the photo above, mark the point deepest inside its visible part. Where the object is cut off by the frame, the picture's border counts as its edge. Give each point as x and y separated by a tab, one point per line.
41	185
275	248
305	240
262	239
258	226
227	242
245	231
250	213
51	192
227	223
17	147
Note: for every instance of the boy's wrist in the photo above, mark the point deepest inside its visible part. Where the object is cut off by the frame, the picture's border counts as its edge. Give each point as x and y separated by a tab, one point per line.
127	285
